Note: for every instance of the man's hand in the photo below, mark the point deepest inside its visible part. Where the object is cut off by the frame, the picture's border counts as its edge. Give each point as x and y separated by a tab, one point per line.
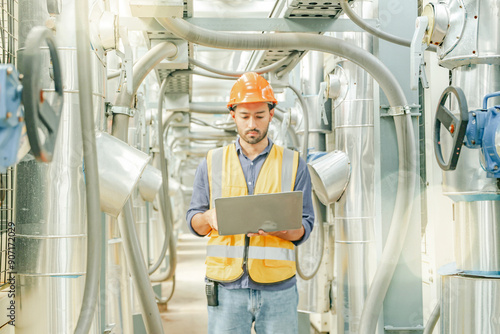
290	235
204	222
211	217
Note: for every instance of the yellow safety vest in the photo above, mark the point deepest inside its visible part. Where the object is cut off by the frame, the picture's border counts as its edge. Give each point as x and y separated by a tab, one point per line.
269	259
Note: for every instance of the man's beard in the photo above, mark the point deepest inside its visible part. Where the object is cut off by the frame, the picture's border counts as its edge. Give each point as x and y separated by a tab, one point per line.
253	140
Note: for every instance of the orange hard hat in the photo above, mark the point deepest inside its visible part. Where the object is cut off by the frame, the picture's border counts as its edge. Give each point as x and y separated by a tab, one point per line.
251	87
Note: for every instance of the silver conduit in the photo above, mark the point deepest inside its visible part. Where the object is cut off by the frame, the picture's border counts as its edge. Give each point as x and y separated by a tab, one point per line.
165	204
94	236
132	248
142	68
305	118
291	41
368	28
404	130
270	68
433	319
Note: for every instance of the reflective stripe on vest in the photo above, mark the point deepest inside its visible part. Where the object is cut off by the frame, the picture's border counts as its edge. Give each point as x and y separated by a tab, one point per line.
270	259
232	252
215	176
271	253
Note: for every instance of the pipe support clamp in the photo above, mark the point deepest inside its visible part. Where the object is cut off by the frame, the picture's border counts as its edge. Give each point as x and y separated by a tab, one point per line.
123	110
399	111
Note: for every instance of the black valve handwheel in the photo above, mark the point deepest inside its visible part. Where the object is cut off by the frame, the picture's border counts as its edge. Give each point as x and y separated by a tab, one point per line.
42	118
456	127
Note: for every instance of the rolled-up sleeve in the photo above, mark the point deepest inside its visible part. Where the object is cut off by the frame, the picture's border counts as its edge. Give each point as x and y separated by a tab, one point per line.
200	200
303	183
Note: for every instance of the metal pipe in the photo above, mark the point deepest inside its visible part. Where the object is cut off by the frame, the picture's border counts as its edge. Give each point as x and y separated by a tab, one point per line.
94	237
291	41
142	68
150	313
165	205
270	68
433	319
133	253
132	248
354	215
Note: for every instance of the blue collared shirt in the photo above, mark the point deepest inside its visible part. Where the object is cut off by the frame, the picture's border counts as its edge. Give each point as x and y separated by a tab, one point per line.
200	202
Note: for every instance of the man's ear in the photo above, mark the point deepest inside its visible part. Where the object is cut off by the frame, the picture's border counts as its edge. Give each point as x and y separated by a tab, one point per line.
231	112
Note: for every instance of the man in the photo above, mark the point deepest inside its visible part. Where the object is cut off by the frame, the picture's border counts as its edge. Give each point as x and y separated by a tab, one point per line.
252	288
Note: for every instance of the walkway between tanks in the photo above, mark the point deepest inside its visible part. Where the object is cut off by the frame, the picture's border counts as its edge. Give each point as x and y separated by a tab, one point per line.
186	312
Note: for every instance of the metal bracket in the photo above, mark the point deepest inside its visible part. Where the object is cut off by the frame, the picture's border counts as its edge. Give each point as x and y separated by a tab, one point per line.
417	48
399	111
322	98
127	61
109	328
123	110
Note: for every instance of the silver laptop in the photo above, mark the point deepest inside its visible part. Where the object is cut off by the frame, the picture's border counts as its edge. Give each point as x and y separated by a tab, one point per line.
268	212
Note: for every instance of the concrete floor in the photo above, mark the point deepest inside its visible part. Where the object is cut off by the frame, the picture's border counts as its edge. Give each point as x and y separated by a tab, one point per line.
186	312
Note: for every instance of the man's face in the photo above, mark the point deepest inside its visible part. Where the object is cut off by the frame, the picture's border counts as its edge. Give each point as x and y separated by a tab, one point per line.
252	121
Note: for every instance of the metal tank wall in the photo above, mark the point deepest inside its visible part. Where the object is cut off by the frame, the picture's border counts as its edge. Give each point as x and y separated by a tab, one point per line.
50	209
470	292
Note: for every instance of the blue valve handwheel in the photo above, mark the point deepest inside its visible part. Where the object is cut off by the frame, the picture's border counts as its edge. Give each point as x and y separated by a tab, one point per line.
456	127
42	118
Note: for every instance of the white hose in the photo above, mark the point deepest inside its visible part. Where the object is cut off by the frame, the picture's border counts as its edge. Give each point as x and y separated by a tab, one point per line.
270	68
433	319
368	28
94	236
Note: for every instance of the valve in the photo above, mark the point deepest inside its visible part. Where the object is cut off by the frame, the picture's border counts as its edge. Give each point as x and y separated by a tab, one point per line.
456	127
482	132
11	115
42	117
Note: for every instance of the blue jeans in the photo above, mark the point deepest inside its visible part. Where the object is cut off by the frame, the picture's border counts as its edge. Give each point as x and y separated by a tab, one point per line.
274	312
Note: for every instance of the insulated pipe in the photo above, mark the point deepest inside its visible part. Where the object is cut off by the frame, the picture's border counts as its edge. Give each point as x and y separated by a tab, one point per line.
150	313
132	248
368	28
270	68
142	68
433	319
404	131
291	41
94	237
